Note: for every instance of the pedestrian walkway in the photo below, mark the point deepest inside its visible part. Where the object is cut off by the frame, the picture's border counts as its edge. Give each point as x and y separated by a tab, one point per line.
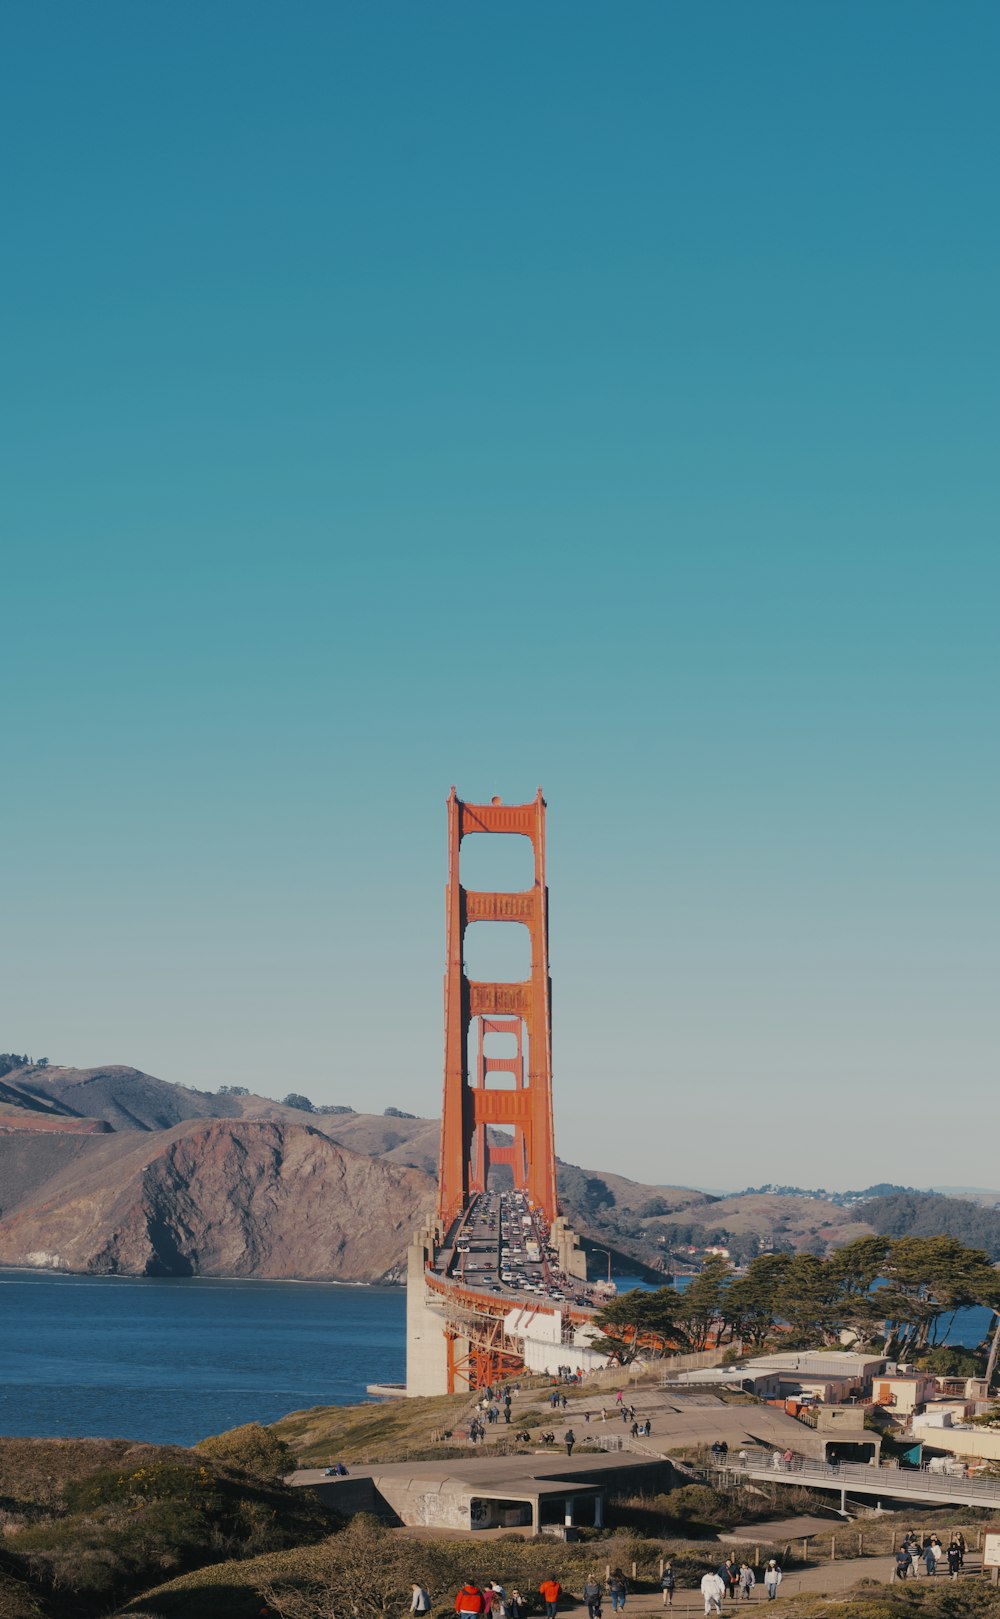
829	1579
682	1422
849	1478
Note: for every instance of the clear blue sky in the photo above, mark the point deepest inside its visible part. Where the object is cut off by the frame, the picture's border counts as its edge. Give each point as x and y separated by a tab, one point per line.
597	396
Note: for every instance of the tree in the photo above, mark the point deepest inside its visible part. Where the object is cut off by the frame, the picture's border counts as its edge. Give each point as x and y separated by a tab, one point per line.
927	1279
702	1303
750	1303
808	1300
252	1447
854	1270
951	1360
232	1090
639	1320
302	1103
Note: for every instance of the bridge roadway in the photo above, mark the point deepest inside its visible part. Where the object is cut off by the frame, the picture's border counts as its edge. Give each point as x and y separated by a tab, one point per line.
857	1478
499	1249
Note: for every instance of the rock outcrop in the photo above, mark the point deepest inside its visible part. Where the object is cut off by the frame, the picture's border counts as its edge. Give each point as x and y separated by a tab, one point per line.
218	1197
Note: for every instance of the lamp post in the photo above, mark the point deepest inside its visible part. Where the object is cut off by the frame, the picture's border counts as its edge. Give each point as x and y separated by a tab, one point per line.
604	1251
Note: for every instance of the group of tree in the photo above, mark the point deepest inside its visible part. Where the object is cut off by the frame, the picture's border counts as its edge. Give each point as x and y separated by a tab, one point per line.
922	1214
899	1295
10	1060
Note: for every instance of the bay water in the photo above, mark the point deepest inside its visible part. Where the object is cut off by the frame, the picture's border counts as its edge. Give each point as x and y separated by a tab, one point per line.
171	1360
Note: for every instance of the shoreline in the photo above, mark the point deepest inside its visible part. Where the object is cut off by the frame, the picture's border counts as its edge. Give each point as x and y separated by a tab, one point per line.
130	1276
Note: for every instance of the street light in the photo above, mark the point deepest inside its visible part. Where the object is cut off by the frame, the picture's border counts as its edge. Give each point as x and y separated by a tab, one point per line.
604	1251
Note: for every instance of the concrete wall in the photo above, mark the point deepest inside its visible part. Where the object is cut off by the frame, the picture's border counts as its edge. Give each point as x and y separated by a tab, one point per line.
416	1505
981	1444
572	1258
426	1352
347	1496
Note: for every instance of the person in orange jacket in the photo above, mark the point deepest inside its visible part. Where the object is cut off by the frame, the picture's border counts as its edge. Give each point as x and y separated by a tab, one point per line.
550	1591
470	1600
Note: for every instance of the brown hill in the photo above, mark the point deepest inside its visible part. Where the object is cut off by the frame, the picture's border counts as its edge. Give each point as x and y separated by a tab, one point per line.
216	1198
123	1097
799	1221
194	1183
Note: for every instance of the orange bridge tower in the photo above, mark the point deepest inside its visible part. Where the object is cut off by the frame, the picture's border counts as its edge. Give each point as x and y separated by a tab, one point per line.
520	1009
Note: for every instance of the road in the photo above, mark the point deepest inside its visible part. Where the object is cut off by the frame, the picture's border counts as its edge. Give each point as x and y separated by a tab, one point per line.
501	1247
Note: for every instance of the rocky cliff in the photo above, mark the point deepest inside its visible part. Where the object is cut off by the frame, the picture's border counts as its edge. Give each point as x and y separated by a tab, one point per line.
212	1197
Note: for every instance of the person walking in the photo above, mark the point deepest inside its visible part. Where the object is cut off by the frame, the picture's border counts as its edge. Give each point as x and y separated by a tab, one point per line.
469	1601
518	1604
713	1591
954	1558
959	1540
592	1596
617	1590
668	1585
550	1591
772	1579
420	1601
748	1580
488	1595
930	1558
569	1440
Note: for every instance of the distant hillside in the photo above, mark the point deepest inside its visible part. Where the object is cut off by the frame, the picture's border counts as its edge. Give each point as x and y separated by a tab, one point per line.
187	1182
659	1225
928	1214
125	1098
215	1197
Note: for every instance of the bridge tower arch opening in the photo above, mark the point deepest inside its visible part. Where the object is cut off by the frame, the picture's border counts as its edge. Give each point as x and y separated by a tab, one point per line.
522	1009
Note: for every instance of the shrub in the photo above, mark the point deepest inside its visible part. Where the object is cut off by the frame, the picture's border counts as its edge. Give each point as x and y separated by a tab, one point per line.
252	1447
124	1528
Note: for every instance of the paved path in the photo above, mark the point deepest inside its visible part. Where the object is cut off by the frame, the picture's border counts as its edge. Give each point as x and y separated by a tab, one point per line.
829	1579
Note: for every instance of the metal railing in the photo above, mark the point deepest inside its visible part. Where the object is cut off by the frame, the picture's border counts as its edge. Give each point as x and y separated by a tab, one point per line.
862	1476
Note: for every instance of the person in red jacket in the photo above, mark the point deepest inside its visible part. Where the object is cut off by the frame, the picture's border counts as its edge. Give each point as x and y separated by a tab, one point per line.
470	1600
550	1591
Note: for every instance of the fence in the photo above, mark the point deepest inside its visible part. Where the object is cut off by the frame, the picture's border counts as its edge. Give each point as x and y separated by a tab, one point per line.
886	1480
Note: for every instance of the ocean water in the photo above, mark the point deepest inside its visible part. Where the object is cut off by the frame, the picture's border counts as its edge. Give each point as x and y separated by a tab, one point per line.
171	1360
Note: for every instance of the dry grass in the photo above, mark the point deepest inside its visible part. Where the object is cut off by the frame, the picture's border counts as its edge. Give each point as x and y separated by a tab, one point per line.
386	1431
34	1473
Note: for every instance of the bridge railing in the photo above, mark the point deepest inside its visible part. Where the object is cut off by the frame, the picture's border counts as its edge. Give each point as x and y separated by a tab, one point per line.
804	1470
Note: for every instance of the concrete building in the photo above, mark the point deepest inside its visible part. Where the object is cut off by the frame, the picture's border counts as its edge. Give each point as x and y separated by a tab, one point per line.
844	1436
939	1432
548	1342
830	1375
553	1494
902	1392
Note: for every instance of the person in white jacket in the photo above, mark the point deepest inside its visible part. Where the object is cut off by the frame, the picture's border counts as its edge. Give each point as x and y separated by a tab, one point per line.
713	1590
772	1579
